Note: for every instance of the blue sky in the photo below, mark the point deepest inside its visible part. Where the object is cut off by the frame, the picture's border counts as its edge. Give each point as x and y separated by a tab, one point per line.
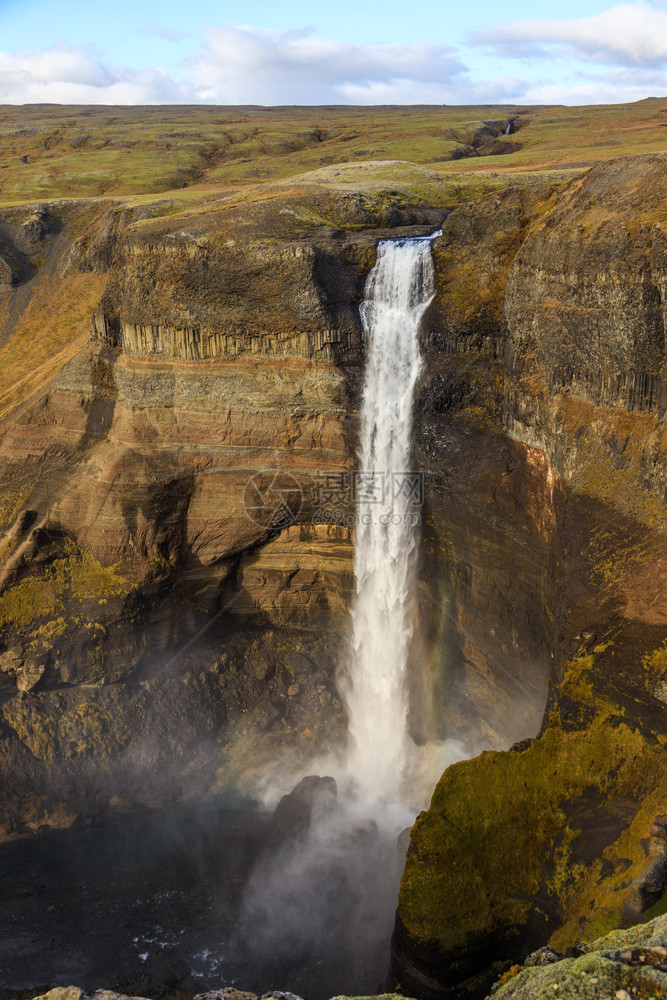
263	52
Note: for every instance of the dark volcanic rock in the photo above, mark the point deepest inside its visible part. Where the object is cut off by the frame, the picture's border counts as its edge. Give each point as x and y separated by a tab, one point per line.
313	796
226	993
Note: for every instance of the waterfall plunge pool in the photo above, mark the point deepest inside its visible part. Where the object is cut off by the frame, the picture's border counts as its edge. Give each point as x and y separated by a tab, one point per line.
209	888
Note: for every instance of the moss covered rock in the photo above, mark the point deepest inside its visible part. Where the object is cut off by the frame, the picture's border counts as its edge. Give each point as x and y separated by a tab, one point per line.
548	842
625	963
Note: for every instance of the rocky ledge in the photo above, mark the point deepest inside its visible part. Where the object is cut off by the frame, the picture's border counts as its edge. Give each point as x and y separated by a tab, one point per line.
225	993
625	964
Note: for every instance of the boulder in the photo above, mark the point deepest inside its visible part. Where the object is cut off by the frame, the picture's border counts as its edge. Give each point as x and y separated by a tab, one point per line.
38	225
11	662
279	995
30	673
226	993
76	993
601	971
312	796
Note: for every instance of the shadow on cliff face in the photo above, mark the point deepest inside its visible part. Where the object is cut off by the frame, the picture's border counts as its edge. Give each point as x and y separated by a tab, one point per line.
486	587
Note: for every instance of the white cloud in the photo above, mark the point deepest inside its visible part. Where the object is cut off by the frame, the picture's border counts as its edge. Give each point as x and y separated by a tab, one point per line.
69	75
629	34
242	65
618	86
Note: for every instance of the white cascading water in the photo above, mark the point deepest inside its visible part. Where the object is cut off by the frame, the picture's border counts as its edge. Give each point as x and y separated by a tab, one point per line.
398	291
332	890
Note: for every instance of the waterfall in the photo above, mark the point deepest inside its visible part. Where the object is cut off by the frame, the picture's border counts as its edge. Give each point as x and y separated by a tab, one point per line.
332	890
388	493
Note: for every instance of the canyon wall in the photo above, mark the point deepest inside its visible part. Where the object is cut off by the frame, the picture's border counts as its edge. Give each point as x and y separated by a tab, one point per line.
557	329
173	597
150	615
175	585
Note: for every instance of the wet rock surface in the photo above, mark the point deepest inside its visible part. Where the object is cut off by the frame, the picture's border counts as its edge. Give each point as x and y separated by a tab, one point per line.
312	797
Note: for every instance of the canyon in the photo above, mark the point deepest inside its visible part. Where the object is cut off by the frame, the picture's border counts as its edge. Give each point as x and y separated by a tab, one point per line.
167	630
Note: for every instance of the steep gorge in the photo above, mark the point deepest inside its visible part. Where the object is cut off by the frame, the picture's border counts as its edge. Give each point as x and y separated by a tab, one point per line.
154	635
151	619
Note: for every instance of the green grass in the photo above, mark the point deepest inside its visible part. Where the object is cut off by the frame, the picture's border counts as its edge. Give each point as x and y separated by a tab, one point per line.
51	151
570	139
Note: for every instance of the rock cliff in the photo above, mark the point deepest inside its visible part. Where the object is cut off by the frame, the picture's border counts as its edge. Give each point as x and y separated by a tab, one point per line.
172	612
164	598
559	367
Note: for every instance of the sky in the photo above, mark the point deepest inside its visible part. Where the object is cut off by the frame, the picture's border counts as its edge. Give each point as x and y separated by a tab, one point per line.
342	52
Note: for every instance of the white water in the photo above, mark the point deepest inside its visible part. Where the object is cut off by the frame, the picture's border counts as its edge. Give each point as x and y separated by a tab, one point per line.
398	291
332	890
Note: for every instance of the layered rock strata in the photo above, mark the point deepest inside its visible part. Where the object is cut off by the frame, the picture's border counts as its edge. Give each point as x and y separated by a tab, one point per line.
156	614
174	599
562	365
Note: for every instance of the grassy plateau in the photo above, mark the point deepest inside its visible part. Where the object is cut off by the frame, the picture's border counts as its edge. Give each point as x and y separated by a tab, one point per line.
55	151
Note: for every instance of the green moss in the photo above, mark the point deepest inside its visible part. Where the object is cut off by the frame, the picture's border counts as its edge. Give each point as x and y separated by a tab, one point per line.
615	449
70	581
599	902
55	728
655	663
499	834
640	935
37	732
589	978
579	684
374	996
510	974
43	636
29	601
